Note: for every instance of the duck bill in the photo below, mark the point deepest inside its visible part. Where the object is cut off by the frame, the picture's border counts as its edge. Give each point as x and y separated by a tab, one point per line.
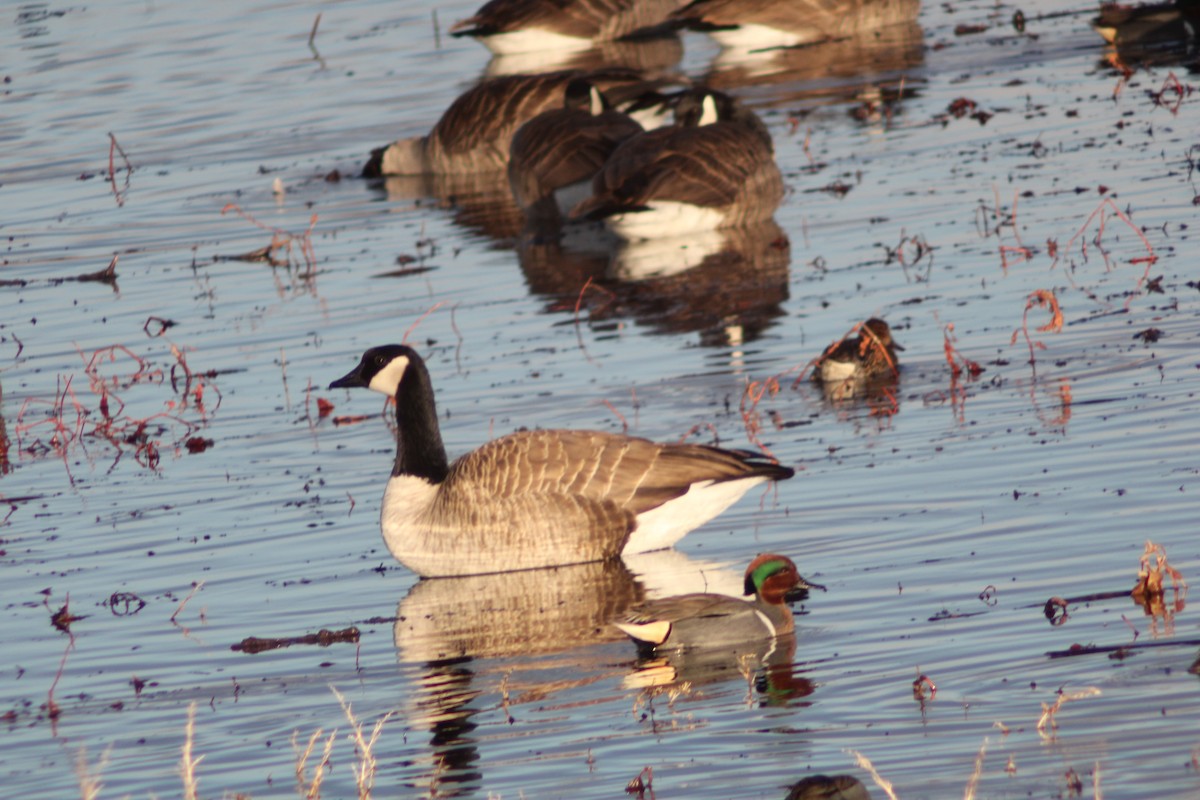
800	591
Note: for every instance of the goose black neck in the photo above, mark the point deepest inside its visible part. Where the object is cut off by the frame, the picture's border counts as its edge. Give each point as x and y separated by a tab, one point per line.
419	448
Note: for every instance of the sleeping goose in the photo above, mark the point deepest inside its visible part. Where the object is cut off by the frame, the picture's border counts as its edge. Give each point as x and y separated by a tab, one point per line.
715	620
714	168
755	24
521	26
556	154
475	133
538	498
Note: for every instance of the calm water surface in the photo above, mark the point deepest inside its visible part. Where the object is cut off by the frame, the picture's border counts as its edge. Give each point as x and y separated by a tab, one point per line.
941	519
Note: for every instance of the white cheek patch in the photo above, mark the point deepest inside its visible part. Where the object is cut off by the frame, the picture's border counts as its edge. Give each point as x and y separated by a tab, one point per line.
387	380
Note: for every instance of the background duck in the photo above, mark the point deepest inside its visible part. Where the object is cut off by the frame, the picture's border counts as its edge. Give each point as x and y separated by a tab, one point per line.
519	26
870	354
714	168
538	498
715	620
1153	23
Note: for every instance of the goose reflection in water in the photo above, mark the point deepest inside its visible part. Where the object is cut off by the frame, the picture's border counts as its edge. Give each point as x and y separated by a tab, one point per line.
483	643
729	286
869	60
481	203
655	56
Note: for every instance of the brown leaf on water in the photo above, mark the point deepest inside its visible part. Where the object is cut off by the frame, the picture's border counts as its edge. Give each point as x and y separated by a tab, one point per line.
1149	336
1152	570
961	106
1150	590
63	618
197	444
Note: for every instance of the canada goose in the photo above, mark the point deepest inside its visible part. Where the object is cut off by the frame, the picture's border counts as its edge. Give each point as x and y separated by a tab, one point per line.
714	168
520	26
555	155
475	133
829	787
756	24
538	498
871	354
717	620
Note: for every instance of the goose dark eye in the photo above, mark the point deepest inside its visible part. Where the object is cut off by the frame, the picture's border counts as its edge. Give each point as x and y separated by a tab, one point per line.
380	361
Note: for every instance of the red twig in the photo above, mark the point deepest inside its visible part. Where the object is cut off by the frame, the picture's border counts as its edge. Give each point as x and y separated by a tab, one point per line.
620	416
420	319
579	304
1040	298
1171	84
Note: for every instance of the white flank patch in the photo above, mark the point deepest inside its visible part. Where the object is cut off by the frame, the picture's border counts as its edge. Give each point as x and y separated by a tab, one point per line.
752	37
531	40
388	379
664	218
654	632
834	370
667	524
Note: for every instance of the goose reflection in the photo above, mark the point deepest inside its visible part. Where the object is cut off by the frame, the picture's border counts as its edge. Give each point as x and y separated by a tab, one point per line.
484	642
457	628
727	285
865	63
653	56
482	202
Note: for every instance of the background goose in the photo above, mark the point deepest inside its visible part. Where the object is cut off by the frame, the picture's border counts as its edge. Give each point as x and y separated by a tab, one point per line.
475	133
518	26
714	168
538	498
556	154
716	620
769	23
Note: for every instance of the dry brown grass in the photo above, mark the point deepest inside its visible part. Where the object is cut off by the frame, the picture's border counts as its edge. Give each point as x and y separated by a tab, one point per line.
364	770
